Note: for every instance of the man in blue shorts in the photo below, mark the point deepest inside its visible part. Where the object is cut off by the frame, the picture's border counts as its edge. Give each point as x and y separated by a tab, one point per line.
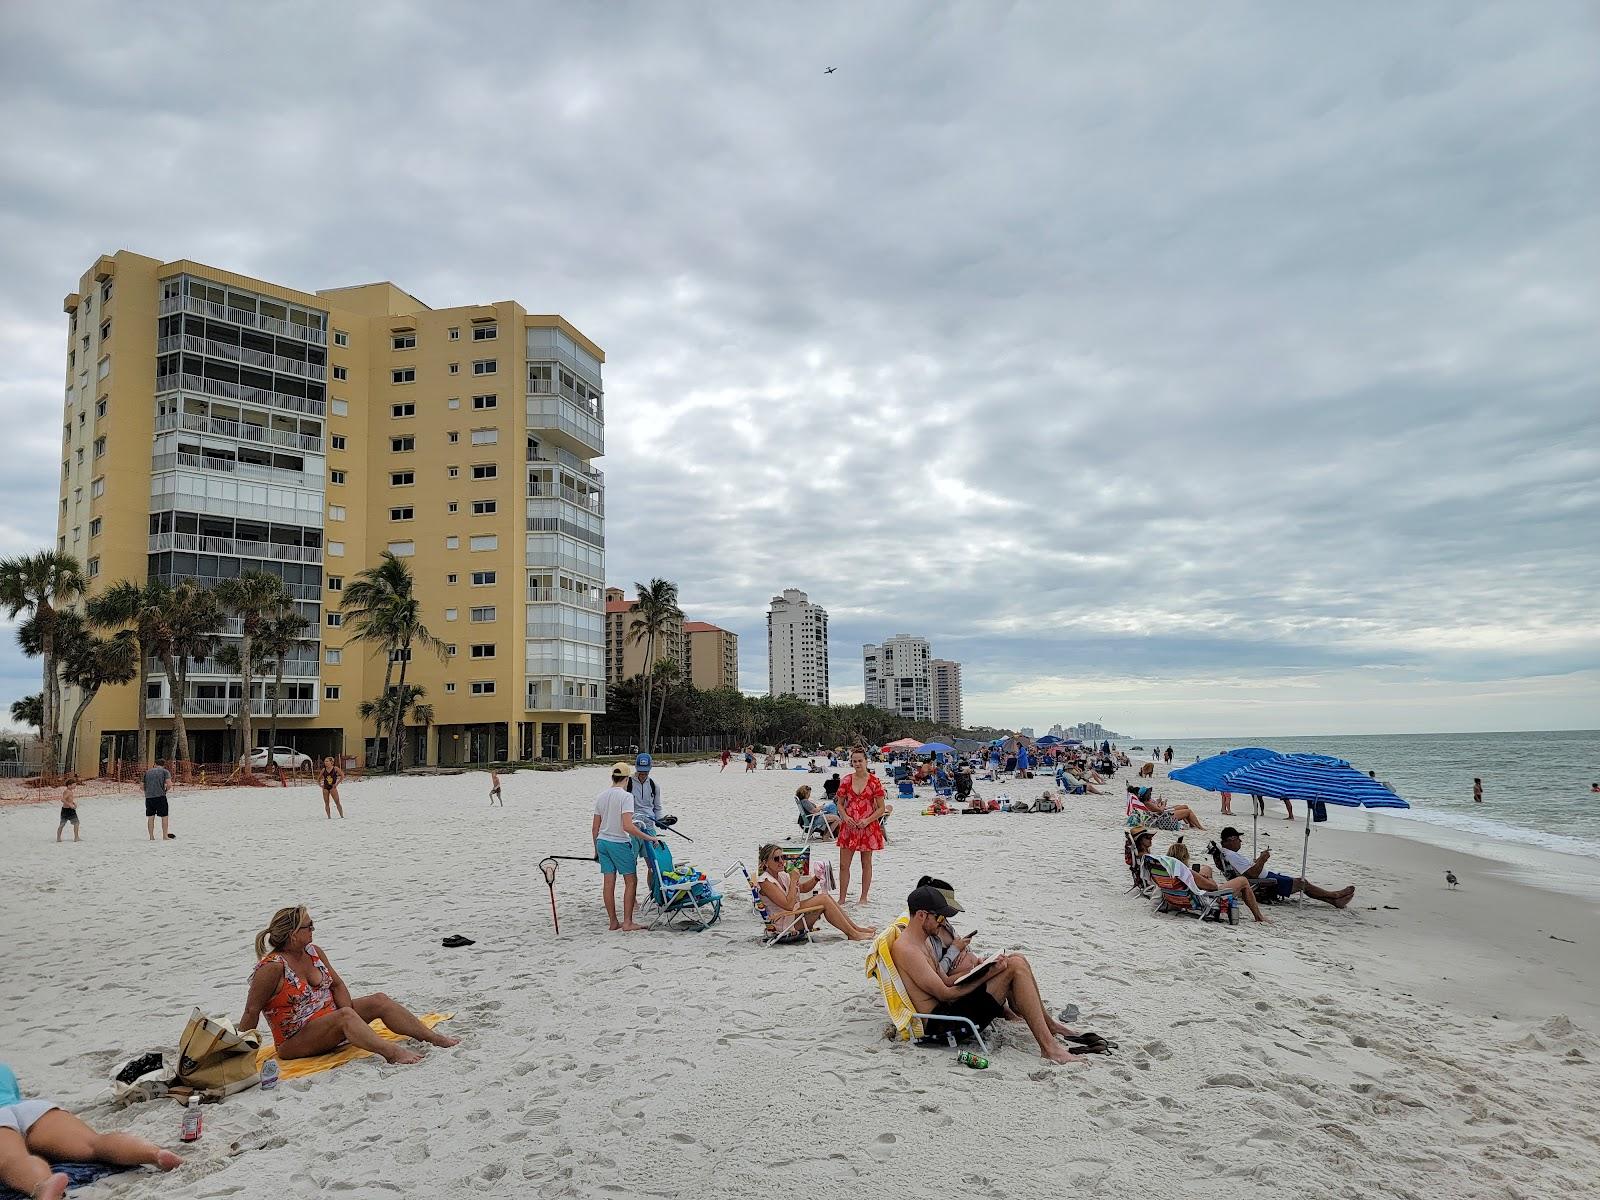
1285	885
614	833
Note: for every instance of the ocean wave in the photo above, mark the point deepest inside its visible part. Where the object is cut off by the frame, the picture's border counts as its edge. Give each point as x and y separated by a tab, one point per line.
1504	831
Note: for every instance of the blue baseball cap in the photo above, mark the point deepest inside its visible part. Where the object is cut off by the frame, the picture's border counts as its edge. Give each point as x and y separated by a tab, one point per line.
642	763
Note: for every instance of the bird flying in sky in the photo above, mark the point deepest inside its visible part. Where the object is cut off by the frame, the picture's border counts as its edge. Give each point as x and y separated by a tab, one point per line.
829	70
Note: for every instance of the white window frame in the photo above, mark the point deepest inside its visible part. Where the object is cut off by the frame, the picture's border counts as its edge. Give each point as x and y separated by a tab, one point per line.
485	366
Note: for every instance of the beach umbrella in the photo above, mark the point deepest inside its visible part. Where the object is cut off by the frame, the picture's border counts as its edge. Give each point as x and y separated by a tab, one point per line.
904	744
1048	739
1312	779
935	748
1208	773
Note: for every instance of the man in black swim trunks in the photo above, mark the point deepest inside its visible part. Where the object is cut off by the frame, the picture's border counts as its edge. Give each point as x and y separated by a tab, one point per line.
156	782
981	1000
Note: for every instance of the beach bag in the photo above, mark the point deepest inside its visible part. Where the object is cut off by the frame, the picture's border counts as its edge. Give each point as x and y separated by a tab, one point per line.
144	1077
215	1058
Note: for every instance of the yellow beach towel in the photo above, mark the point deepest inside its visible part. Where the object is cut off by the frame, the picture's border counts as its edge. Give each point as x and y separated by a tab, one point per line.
880	966
297	1068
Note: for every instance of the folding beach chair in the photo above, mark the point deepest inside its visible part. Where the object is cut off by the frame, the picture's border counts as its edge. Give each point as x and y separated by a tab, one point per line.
1135	863
682	895
1177	896
814	823
910	1025
785	930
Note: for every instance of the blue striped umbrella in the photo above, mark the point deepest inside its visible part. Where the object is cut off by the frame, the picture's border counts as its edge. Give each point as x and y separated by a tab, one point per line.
1312	779
1208	772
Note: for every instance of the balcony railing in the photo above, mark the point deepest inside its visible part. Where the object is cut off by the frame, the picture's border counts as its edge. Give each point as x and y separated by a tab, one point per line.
293	669
243	354
242	316
571	418
243	430
595	601
538	702
591	502
219	706
202	544
566	458
241	470
184	381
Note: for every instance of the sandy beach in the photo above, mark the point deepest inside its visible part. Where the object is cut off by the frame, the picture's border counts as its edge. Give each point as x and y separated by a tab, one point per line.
1424	1043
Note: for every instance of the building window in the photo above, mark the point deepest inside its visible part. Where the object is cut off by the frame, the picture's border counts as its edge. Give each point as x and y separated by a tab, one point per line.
450	650
330	691
483	687
484	508
333	656
104	368
452	472
480	616
99	408
452	506
105	292
341	338
97	488
94	564
455	334
482	649
485	333
105	330
402	478
94	527
482	578
449	687
404	513
455	368
340	408
341	373
336	583
486	541
335	512
403	375
450	614
338	441
485	470
484	366
402	549
453	403
485	437
399	445
335	476
99	446
453	437
404	341
408	409
335	620
479	403
451	578
336	549
452	542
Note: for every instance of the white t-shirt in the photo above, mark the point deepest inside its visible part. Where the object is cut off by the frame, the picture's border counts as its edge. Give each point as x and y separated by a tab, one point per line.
1236	860
609	806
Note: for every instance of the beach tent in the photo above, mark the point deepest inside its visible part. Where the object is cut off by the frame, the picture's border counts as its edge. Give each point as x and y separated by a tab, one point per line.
1208	773
1311	779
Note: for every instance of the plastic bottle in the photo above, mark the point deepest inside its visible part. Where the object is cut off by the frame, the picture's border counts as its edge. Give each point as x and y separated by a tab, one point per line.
191	1120
269	1075
968	1058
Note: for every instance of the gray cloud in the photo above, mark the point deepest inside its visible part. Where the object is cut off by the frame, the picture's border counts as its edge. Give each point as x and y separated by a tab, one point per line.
1173	363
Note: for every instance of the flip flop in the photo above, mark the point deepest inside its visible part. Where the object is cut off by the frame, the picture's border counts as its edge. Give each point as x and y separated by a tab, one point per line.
1068	1014
455	940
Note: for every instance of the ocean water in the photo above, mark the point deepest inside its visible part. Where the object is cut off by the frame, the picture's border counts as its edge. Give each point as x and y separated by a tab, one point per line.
1535	785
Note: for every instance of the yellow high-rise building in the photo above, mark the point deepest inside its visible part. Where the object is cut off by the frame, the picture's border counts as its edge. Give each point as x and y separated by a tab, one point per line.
216	424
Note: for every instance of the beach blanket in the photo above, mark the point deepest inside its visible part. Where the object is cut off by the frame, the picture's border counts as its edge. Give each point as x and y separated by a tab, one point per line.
77	1175
298	1068
880	967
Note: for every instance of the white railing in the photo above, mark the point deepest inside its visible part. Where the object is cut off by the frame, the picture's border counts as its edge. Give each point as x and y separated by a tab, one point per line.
184	381
292	669
591	502
566	458
218	706
242	354
243	430
571	418
538	595
242	316
588	704
244	470
244	549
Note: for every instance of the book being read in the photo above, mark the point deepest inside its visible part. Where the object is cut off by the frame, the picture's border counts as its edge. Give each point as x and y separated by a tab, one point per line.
977	972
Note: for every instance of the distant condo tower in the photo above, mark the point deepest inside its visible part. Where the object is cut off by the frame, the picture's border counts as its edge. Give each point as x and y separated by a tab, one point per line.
797	648
897	676
947	692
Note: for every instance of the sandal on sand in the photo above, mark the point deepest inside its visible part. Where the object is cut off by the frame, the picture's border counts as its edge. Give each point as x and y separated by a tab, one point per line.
455	940
1092	1043
1068	1014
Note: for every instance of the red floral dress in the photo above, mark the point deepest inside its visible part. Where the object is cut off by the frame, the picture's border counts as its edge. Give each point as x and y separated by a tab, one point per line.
858	806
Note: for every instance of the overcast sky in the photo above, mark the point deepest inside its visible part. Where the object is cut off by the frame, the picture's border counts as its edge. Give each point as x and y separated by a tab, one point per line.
1203	369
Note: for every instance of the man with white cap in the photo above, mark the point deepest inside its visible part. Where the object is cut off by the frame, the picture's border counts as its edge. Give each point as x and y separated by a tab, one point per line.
615	837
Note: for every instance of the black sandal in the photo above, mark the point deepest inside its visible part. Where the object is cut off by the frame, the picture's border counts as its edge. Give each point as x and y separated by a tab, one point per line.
455	940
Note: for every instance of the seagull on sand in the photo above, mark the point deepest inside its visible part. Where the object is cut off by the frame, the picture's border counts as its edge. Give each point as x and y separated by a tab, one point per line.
1450	878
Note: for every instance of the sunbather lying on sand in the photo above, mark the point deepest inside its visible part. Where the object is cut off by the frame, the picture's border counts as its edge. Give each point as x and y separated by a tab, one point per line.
35	1133
787	894
308	1006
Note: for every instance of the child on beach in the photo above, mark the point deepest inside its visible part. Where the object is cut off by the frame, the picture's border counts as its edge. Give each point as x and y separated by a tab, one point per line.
494	789
69	810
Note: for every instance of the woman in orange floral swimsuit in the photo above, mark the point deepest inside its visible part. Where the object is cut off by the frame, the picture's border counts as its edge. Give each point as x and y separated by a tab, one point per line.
861	812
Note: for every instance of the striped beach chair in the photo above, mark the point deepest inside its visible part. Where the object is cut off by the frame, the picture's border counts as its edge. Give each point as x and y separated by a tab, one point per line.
785	930
1177	896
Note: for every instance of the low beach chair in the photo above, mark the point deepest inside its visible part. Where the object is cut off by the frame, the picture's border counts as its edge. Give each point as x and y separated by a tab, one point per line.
682	895
909	1024
1177	896
789	929
1135	863
814	823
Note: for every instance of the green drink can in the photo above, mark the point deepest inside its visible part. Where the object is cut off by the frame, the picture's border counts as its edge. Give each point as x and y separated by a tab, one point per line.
968	1059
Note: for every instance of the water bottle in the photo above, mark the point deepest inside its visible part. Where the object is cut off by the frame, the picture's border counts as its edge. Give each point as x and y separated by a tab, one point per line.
191	1120
269	1075
968	1058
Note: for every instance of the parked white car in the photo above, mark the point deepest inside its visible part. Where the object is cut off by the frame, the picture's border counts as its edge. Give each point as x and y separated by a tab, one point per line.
286	757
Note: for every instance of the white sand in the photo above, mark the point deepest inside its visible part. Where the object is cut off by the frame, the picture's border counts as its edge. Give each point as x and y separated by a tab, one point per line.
1446	1048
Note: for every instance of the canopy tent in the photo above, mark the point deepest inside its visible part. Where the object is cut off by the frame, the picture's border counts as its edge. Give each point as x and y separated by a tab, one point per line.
1311	779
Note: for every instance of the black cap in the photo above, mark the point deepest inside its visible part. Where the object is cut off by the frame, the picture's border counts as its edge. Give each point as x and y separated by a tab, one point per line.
1227	833
929	899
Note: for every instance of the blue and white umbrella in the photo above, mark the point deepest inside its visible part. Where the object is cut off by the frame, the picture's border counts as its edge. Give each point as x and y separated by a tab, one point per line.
1208	773
1311	779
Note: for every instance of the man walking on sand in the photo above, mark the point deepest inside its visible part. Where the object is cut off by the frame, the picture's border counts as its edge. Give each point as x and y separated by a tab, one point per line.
615	836
69	810
156	782
494	788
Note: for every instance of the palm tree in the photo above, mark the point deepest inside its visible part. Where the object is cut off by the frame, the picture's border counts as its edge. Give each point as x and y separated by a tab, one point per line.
393	705
654	613
230	657
287	630
255	598
422	714
665	674
138	606
381	606
91	662
41	585
29	711
186	630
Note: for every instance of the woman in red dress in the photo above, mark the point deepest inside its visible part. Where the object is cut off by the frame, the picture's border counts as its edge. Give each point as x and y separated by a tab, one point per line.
861	808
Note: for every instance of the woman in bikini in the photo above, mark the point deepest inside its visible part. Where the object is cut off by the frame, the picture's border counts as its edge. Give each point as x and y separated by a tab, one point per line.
329	778
308	1006
862	807
789	905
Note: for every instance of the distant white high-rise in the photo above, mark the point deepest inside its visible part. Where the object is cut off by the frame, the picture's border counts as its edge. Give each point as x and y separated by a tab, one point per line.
898	678
797	648
946	692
